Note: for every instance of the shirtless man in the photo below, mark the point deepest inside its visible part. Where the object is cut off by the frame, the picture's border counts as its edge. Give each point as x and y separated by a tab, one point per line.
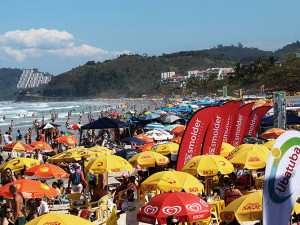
17	205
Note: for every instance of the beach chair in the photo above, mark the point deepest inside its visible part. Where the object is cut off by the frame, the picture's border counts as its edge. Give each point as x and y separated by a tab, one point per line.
77	200
215	213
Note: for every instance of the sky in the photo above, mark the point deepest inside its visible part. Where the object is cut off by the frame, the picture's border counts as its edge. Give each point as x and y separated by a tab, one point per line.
58	35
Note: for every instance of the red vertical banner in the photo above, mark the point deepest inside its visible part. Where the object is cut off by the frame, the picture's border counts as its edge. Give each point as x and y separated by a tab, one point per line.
255	119
240	124
230	121
214	135
193	136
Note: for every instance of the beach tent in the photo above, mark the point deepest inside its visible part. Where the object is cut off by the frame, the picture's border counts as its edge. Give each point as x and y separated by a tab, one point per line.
104	123
291	119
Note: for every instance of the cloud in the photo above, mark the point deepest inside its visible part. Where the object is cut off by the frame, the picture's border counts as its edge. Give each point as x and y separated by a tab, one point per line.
42	42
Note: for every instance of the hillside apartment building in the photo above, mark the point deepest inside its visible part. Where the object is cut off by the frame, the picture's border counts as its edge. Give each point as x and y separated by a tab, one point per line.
32	79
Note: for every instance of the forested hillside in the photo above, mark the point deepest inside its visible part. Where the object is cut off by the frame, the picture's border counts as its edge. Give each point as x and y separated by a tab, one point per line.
8	81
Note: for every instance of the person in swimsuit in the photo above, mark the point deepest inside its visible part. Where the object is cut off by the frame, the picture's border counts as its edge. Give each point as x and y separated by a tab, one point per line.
17	205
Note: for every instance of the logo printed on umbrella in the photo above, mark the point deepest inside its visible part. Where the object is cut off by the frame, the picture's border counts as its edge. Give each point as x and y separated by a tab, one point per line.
52	223
45	187
208	172
193	164
33	164
171	181
44	169
146	157
161	160
222	163
202	202
171	210
99	164
16	162
194	190
194	207
253	159
149	209
252	206
18	146
18	186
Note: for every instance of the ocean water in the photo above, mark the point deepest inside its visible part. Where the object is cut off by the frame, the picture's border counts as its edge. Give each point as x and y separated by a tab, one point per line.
24	113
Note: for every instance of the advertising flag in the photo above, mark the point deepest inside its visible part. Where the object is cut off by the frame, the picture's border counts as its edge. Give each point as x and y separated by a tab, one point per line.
240	124
282	179
193	135
214	135
230	121
255	119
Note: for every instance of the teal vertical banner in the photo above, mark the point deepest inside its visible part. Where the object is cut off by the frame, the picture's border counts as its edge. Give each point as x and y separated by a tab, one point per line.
279	109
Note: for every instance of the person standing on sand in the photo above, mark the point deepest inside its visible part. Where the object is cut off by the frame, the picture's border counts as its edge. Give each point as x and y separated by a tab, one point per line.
17	205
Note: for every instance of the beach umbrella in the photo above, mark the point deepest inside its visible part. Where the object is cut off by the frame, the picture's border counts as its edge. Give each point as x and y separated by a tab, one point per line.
147	112
41	145
144	138
272	133
123	106
158	135
226	149
169	118
149	159
46	170
245	208
208	165
19	163
133	140
130	112
48	126
146	147
115	114
73	154
68	133
269	144
178	130
165	148
172	180
76	126
109	163
171	127
127	153
59	219
174	112
150	116
66	140
29	189
186	206
99	149
18	147
154	126
159	112
251	156
176	140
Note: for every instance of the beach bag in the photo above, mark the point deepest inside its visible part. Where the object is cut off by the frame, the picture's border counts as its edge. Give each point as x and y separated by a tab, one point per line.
75	178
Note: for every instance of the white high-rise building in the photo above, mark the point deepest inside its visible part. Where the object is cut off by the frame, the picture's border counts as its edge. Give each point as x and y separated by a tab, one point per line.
31	79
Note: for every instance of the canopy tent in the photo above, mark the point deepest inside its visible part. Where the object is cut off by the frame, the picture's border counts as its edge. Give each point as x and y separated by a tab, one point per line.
104	123
291	119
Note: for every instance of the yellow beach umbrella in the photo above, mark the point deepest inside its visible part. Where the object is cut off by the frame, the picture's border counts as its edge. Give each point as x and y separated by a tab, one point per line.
102	149
173	180
59	218
226	149
149	159
248	208
251	156
245	208
109	163
208	165
269	144
166	148
20	163
71	155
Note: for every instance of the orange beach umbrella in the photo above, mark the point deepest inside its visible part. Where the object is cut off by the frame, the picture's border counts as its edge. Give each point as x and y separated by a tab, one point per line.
272	133
46	170
144	138
41	145
69	140
29	189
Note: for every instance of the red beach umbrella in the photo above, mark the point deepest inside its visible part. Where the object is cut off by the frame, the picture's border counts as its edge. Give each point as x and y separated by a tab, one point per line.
18	147
186	206
76	126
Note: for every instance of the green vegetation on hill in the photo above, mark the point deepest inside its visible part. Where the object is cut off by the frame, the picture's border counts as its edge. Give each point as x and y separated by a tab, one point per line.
128	75
8	81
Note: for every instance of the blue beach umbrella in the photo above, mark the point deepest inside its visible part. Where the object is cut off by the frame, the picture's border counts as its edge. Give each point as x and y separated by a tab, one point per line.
133	140
150	116
127	153
154	126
